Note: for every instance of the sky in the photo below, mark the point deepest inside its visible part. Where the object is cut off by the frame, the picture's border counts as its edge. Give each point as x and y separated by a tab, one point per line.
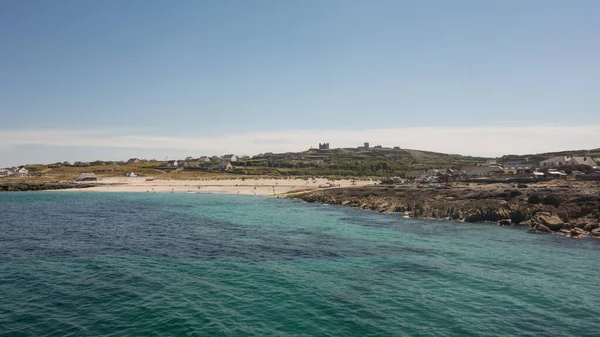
110	80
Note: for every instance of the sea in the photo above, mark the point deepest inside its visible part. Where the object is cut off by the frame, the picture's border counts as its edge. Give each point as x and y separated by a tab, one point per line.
147	264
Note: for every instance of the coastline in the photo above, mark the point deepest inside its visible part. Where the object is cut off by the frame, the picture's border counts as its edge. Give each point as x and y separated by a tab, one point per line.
567	208
248	186
571	209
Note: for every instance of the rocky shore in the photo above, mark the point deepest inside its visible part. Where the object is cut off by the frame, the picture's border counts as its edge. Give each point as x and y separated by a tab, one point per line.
41	186
567	208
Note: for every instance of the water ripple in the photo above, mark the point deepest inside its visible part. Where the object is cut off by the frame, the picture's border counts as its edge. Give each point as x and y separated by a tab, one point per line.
84	264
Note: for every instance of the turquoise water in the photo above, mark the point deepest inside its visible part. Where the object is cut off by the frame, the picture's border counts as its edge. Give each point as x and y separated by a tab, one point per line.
91	264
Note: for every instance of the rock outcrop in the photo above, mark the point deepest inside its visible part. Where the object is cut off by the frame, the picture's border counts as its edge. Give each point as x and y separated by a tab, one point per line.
567	208
32	186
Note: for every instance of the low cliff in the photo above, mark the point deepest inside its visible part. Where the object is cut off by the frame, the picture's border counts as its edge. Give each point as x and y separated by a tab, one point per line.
571	209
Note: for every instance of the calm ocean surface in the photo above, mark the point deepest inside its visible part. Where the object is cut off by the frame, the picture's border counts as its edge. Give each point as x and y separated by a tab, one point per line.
91	264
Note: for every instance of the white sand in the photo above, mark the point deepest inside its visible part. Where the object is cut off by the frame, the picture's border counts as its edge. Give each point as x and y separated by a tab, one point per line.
230	186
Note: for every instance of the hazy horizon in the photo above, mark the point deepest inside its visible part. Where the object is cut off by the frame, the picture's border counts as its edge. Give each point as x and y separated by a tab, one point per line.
111	80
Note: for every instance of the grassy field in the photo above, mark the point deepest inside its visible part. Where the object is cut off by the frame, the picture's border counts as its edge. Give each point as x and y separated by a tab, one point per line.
335	164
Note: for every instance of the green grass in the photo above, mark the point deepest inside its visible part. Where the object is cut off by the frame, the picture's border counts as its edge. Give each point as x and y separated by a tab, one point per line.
335	163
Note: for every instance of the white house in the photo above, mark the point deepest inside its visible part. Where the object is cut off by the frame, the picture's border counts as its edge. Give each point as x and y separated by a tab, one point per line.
583	161
21	172
230	157
556	162
5	173
225	166
87	177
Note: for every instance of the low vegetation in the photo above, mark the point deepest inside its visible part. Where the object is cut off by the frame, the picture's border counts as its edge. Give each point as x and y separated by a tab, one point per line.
335	164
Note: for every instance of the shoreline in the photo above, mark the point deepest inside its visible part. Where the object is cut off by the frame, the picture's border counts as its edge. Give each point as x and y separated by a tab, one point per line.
260	186
569	209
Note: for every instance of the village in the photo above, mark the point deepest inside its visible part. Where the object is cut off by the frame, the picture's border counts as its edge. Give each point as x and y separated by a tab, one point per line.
560	167
386	163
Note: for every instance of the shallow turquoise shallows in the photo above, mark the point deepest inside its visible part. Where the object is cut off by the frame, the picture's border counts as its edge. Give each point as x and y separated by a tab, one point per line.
102	264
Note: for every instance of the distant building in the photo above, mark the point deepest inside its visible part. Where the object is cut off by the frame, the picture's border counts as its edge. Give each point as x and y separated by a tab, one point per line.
130	174
133	161
20	172
173	163
87	177
229	157
517	167
588	161
204	159
324	146
366	145
396	147
555	162
5	173
564	161
479	171
378	147
225	166
491	162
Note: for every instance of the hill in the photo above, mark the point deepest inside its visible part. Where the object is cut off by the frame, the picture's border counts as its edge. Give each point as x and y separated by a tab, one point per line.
536	158
359	161
342	162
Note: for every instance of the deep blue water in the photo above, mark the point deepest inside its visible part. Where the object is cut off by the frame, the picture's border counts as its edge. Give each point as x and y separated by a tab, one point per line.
91	264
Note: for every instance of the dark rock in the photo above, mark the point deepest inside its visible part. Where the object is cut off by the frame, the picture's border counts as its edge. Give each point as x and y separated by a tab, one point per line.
522	186
474	217
551	200
505	222
503	196
534	199
563	215
518	216
577	233
515	193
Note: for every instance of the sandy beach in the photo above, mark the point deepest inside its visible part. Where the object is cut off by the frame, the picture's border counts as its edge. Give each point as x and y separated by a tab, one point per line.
230	186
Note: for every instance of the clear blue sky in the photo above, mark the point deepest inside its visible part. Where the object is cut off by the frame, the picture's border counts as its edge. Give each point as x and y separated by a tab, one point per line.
209	68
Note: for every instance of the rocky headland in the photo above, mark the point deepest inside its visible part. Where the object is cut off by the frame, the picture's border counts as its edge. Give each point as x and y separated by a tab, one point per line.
567	208
41	186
